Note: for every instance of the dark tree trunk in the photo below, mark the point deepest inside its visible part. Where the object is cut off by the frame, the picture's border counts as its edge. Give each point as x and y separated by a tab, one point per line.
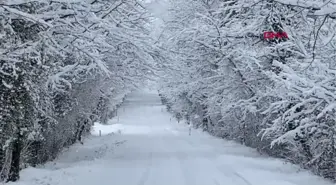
14	173
80	134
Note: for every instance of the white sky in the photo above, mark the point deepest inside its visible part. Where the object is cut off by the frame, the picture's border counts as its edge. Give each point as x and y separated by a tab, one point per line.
159	10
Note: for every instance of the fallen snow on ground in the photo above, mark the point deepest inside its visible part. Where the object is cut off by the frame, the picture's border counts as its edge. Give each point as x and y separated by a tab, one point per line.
117	128
143	145
101	130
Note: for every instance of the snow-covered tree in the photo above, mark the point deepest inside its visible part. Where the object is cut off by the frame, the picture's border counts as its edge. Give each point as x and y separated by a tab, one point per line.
277	95
64	65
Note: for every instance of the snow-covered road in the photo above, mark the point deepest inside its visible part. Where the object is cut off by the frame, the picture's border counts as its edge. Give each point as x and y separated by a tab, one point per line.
150	148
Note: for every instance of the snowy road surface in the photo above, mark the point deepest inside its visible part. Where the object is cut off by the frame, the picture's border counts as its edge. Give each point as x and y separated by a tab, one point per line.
151	148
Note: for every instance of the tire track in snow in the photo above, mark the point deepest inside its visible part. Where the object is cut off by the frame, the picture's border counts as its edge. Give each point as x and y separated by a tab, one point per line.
197	162
216	182
241	177
230	172
145	175
180	158
174	167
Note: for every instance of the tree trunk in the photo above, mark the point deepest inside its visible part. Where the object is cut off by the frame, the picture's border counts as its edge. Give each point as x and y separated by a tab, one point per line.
14	173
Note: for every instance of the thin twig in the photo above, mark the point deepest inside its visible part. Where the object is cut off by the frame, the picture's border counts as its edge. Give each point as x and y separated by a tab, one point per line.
314	46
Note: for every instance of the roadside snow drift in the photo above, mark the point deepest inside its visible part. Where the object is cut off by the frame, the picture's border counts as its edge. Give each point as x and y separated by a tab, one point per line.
100	129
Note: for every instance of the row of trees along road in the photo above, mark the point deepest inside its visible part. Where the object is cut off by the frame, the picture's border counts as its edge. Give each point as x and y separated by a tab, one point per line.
63	65
275	95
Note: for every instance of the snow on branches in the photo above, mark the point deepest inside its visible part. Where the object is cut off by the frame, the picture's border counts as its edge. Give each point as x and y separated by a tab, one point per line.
63	65
247	88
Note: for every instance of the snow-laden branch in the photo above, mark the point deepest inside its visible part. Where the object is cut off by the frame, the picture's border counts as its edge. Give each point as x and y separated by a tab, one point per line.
20	2
27	16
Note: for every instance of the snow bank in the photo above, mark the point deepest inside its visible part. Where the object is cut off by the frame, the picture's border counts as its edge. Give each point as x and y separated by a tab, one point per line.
100	129
118	128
